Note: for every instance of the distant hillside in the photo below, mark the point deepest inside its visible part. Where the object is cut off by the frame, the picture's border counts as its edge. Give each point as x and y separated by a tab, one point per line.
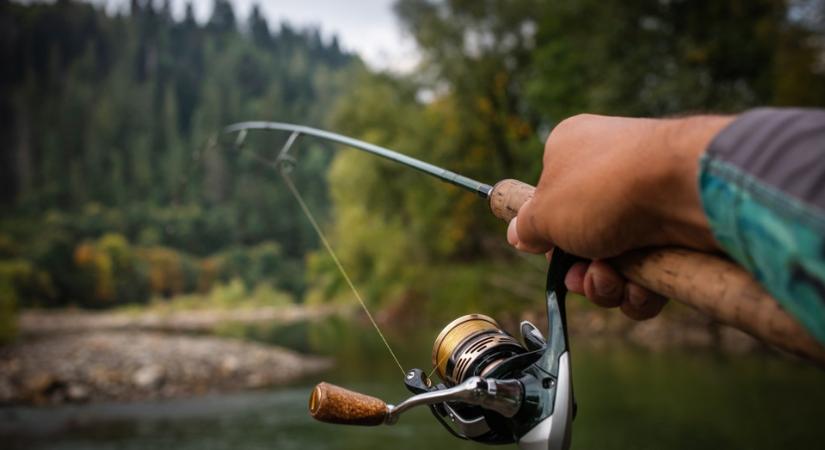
110	136
111	111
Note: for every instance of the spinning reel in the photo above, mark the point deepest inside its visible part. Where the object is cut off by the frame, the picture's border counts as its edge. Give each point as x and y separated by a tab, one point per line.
494	389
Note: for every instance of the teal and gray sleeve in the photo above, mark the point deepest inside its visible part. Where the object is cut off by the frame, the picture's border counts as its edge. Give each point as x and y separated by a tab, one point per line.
762	184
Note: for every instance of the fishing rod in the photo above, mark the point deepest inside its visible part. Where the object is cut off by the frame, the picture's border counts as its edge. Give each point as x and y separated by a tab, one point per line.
443	174
505	197
496	389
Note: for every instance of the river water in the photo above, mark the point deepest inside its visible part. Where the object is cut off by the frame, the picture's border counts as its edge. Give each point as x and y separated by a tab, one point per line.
628	399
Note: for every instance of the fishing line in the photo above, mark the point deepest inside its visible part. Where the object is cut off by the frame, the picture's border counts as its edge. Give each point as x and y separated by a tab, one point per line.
437	363
282	170
284	161
325	242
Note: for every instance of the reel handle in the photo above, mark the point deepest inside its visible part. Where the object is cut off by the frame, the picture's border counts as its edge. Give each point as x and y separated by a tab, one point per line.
334	404
714	285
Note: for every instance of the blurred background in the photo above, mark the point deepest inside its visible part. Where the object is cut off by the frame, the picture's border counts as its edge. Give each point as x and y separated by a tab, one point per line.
161	289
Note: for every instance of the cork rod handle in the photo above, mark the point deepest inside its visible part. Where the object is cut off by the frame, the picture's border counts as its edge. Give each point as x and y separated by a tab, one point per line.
334	404
712	284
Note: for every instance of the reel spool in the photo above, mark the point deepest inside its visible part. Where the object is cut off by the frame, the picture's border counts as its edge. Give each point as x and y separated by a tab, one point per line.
472	345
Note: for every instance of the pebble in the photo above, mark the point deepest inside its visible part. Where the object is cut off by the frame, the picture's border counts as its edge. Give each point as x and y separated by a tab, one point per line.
148	376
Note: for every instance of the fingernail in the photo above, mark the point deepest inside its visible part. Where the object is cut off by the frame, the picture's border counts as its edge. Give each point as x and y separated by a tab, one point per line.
512	234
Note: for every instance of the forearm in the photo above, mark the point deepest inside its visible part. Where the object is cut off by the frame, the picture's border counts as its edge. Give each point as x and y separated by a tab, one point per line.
762	186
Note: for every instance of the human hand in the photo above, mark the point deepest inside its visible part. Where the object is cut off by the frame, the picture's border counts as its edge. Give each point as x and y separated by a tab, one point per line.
610	185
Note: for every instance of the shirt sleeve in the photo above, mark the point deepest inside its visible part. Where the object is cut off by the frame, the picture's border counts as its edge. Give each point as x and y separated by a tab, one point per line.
762	184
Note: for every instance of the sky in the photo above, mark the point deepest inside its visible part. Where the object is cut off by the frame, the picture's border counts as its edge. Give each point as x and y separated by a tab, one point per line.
368	27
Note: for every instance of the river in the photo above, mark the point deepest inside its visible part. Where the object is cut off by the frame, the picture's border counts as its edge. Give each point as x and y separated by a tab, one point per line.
628	399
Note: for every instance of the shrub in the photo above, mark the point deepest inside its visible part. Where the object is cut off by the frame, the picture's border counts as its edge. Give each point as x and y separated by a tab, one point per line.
8	311
24	281
167	276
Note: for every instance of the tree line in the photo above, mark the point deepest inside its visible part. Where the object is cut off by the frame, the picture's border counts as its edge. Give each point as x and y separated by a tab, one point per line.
117	185
498	75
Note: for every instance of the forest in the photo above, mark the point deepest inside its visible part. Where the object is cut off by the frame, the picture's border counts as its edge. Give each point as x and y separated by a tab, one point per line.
116	185
119	187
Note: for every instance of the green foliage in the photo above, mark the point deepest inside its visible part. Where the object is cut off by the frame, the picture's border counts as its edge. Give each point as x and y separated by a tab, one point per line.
255	264
116	180
660	58
23	279
118	188
237	293
59	267
125	114
8	311
496	77
230	295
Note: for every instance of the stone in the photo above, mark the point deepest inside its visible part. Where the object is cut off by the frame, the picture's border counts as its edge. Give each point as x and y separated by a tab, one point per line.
148	376
230	365
38	383
77	393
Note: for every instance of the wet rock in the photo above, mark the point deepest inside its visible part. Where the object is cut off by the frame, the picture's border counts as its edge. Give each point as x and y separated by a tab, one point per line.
230	365
77	393
255	380
148	376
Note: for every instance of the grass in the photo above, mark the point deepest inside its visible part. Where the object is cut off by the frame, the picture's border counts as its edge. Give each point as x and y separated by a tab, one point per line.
232	295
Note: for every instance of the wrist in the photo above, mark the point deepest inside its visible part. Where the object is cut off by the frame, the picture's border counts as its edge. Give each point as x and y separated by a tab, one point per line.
679	144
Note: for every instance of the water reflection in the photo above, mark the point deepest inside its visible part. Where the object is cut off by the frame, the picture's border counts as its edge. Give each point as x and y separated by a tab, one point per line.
628	399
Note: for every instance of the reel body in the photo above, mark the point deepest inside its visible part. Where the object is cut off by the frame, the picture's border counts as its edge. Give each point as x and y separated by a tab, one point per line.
475	346
494	389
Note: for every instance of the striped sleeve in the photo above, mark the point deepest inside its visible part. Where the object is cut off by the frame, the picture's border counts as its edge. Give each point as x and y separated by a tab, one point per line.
762	184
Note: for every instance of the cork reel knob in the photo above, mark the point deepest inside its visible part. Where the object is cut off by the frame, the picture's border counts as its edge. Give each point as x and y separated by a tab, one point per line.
334	404
508	196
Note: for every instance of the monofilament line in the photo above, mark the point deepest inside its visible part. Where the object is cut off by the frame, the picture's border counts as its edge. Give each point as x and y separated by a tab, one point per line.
437	363
324	241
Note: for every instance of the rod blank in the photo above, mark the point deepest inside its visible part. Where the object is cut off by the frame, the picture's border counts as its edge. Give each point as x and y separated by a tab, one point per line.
478	187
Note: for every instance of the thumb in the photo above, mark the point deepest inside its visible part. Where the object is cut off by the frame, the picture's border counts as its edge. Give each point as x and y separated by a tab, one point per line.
524	234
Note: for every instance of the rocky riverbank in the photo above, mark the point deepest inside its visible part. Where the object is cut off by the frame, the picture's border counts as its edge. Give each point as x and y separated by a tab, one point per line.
81	356
49	322
130	365
77	356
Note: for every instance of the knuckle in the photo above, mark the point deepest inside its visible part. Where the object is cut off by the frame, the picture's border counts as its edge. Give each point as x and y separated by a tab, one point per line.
528	228
646	304
573	122
632	313
525	224
563	132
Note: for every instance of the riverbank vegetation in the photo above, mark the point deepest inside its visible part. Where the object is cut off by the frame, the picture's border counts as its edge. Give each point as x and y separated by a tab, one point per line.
117	185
